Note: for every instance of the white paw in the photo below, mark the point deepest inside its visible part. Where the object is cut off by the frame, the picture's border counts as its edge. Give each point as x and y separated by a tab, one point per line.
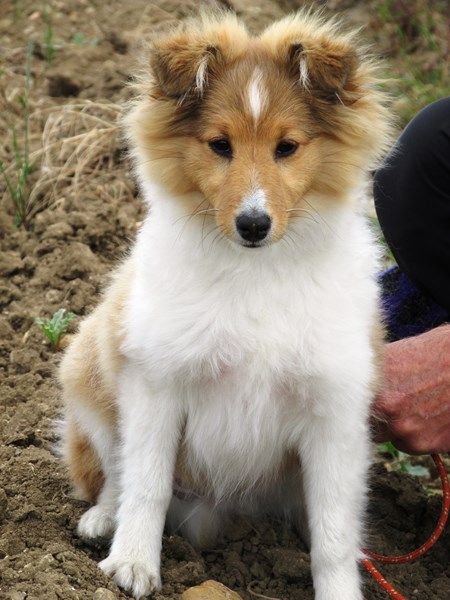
135	576
96	522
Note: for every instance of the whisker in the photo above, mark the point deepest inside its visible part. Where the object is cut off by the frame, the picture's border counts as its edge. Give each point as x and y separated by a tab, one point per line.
195	213
219	236
203	229
211	231
190	215
303	210
321	218
188	219
344	164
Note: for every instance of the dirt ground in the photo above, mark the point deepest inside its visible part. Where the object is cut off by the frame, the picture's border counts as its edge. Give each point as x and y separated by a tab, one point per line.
90	212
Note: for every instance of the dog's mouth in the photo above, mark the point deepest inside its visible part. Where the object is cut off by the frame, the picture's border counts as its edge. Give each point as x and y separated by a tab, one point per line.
253	244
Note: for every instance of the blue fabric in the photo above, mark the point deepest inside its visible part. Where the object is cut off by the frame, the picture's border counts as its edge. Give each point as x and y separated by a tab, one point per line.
407	310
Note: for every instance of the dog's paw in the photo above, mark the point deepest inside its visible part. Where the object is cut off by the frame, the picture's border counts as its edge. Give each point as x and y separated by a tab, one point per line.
96	522
135	576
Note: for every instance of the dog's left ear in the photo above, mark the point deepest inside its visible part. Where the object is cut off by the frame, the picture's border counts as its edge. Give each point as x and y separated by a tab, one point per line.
327	70
315	53
186	60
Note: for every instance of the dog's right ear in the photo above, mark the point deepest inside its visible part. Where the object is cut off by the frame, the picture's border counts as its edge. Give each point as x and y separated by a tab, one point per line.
186	60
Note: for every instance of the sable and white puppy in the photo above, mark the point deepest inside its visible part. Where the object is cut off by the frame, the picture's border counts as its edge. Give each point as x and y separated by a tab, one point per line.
238	339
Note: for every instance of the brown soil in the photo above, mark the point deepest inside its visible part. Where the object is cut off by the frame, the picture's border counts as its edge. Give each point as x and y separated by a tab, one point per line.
62	260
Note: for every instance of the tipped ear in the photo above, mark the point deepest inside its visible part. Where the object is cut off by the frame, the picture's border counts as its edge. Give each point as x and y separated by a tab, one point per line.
327	70
185	61
317	54
180	65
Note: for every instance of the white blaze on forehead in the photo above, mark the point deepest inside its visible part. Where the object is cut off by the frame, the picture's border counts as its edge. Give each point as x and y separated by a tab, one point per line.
255	201
256	94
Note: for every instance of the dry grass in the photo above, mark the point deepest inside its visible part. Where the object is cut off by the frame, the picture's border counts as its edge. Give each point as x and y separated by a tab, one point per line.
79	152
81	147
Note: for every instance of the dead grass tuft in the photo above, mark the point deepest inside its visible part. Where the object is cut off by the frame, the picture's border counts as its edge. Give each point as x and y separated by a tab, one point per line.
81	148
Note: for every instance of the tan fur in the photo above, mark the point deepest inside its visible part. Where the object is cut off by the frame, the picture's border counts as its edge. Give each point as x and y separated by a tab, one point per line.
83	463
88	376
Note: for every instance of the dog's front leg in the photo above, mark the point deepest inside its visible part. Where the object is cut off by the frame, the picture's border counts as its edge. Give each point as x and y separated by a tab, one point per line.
334	451
150	427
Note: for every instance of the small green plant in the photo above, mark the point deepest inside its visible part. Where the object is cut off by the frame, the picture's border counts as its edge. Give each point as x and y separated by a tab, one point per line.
55	327
49	46
401	461
79	39
19	189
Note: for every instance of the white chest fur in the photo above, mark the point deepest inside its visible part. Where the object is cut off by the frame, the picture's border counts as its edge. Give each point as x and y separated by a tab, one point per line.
244	335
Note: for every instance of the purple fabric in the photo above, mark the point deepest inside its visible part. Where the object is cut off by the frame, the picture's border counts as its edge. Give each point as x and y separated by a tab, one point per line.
407	310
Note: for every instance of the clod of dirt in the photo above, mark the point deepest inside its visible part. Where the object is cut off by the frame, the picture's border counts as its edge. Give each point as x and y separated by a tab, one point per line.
210	590
10	263
189	573
3	505
62	86
292	565
119	44
77	261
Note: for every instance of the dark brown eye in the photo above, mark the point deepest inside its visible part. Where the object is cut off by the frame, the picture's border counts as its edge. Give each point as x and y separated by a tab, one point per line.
221	146
285	148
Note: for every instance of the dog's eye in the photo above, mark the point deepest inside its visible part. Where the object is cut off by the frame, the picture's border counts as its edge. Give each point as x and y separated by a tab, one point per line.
221	146
285	148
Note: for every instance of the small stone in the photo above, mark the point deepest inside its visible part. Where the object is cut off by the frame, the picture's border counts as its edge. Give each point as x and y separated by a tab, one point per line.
45	562
210	590
53	296
103	594
17	595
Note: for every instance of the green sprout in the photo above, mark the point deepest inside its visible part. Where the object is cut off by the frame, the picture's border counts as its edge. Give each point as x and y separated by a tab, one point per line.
401	462
55	327
48	36
78	38
18	187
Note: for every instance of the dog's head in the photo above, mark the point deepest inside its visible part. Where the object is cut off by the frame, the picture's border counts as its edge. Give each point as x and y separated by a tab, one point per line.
256	124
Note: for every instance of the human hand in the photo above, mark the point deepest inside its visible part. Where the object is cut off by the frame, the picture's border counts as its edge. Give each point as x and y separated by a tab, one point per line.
413	408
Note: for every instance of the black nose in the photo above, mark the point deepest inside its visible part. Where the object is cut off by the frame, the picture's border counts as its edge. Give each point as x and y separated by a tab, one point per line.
253	228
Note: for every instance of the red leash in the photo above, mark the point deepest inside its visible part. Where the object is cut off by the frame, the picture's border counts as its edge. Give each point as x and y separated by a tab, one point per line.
405	558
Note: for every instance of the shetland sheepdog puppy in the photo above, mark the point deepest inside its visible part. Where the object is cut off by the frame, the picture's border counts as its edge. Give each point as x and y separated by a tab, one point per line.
231	363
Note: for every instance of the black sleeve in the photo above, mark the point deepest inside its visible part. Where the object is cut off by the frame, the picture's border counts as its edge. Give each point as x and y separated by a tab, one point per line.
412	200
